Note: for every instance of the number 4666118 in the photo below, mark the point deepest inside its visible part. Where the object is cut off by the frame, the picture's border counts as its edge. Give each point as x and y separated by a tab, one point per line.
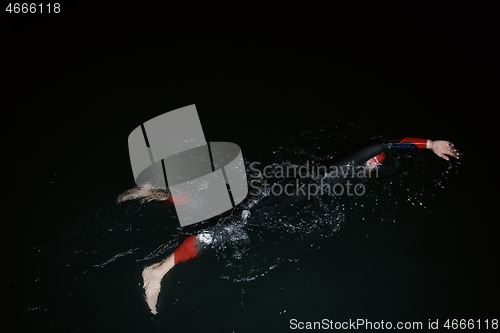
32	8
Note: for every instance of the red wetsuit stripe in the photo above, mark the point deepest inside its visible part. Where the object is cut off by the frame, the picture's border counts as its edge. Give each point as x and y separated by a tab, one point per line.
419	142
186	250
180	200
378	159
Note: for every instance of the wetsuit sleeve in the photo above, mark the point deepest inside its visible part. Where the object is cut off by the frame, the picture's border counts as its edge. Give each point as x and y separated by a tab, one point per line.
379	146
407	142
417	142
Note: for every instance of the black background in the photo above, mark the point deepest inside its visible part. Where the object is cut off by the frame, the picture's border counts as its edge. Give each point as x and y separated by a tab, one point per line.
405	67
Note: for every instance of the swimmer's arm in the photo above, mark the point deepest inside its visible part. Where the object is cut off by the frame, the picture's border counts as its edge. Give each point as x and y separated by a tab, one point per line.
441	148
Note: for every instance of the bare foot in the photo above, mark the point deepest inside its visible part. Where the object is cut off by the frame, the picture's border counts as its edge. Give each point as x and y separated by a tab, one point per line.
145	192
152	277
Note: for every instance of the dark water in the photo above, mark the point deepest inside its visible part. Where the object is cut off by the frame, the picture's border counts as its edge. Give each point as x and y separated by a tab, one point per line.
400	252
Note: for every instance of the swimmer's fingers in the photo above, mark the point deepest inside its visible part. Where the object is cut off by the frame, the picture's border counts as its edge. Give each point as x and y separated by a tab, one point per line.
444	156
452	151
447	156
456	154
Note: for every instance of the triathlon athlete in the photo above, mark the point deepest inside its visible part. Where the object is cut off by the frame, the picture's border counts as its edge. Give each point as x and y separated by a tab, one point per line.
370	156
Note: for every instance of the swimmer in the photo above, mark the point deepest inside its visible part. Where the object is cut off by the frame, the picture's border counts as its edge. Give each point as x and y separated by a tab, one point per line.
371	156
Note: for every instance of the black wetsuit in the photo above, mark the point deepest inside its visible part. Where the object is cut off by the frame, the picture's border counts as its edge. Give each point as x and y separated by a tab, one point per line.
353	160
270	204
376	147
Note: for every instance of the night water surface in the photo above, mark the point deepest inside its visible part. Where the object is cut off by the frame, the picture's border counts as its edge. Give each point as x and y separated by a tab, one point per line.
394	253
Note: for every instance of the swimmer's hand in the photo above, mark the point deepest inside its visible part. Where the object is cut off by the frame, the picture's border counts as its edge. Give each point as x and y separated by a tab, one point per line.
443	149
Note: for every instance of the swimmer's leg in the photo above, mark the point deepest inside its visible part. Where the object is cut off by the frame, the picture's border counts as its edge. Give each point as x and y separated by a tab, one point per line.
153	274
189	248
152	277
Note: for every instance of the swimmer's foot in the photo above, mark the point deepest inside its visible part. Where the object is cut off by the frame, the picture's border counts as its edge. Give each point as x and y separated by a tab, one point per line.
151	289
145	193
152	277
